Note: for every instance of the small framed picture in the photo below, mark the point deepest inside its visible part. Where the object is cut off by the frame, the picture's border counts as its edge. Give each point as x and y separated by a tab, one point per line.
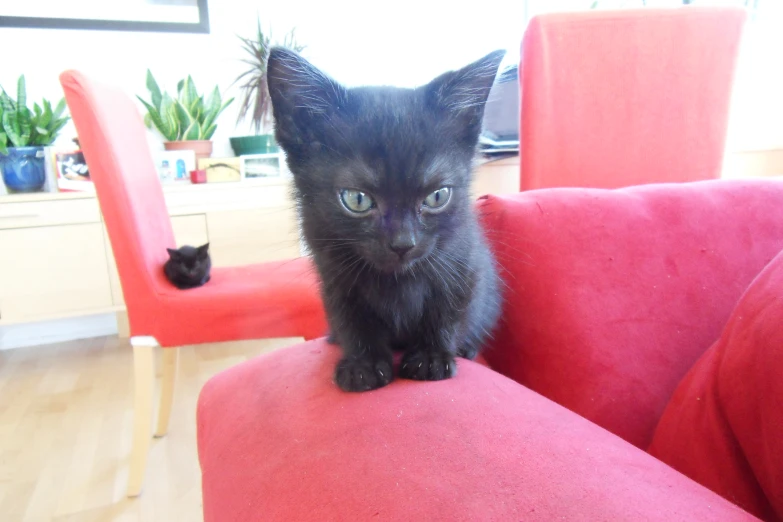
72	172
174	166
260	166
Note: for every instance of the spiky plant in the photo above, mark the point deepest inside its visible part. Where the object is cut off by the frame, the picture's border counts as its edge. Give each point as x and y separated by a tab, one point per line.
21	127
255	92
186	117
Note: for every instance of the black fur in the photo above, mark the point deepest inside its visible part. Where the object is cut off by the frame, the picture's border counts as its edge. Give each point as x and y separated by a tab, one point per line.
399	276
188	267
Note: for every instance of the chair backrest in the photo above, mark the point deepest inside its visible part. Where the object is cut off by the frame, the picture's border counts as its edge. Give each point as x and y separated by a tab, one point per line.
113	138
619	98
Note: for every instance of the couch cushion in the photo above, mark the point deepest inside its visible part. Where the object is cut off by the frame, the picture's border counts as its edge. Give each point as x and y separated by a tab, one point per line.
614	294
279	441
724	424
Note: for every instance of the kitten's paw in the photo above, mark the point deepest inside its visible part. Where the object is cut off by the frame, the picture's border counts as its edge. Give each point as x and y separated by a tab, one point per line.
428	366
468	352
355	374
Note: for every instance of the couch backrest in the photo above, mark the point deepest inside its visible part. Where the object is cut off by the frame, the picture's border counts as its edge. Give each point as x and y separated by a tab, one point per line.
613	294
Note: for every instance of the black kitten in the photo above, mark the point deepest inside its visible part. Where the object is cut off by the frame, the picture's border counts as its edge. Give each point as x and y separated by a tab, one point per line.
382	178
188	267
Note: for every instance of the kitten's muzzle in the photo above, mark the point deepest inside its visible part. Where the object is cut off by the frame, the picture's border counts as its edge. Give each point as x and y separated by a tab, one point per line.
402	245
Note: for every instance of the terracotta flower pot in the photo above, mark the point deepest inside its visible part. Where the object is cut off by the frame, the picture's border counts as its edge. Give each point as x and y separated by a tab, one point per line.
202	148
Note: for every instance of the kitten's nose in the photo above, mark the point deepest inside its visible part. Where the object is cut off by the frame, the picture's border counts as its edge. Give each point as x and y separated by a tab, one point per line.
402	244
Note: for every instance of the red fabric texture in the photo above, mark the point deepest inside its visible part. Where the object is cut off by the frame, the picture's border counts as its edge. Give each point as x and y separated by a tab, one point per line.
724	424
265	300
614	294
618	98
279	441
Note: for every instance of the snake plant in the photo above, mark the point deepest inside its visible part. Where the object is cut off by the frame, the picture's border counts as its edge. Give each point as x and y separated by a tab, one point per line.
21	127
186	117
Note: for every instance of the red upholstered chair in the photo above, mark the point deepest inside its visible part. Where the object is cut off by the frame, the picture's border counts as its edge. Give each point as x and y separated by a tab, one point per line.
618	98
278	299
614	299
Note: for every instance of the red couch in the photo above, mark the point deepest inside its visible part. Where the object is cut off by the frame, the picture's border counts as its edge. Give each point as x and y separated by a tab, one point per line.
641	328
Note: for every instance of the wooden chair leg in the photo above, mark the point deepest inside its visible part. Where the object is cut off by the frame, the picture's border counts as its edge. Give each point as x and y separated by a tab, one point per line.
143	383
170	364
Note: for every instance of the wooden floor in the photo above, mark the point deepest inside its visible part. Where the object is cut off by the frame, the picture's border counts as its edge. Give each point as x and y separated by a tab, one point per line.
65	430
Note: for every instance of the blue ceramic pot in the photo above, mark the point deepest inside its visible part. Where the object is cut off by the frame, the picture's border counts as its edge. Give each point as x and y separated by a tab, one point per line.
23	169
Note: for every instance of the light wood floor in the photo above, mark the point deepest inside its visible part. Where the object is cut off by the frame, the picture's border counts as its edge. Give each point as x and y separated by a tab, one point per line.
65	433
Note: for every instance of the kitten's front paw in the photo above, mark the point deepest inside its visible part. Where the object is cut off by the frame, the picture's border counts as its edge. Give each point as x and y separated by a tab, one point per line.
428	366
355	374
468	351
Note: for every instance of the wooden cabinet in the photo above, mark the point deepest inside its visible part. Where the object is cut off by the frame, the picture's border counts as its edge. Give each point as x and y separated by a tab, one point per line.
243	237
53	271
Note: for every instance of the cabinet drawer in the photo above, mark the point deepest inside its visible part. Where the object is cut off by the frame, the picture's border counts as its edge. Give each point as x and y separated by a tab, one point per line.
53	271
244	237
26	214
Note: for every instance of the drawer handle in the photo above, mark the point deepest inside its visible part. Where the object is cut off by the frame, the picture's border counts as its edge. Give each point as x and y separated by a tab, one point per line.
19	216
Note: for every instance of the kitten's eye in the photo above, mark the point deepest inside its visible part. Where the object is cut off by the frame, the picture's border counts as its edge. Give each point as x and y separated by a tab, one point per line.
438	199
356	201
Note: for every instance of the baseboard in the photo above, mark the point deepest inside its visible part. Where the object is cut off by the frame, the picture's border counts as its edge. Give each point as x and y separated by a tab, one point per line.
57	331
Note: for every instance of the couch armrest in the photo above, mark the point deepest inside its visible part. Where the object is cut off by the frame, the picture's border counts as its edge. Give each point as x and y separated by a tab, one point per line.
278	440
613	294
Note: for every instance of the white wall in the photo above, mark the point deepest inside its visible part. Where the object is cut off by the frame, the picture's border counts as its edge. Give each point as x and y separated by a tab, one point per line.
405	42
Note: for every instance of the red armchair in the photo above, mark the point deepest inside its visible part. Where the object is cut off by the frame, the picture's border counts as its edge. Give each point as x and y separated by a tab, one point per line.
614	299
278	299
618	98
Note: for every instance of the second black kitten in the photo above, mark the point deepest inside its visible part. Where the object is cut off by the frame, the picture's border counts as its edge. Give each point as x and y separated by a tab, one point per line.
382	180
188	267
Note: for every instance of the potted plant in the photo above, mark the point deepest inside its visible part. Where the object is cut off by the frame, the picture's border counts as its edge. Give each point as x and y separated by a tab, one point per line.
187	122
23	136
255	92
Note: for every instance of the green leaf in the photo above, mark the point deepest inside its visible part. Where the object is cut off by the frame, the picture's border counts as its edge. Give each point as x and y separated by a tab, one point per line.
60	108
169	116
225	104
40	130
46	119
154	115
7	103
185	96
21	93
197	109
193	132
180	85
207	134
3	143
173	125
12	130
57	126
212	107
184	117
25	124
192	92
152	86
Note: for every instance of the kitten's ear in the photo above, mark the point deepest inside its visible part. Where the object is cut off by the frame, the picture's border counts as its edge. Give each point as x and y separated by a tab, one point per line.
174	254
462	94
203	250
301	95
